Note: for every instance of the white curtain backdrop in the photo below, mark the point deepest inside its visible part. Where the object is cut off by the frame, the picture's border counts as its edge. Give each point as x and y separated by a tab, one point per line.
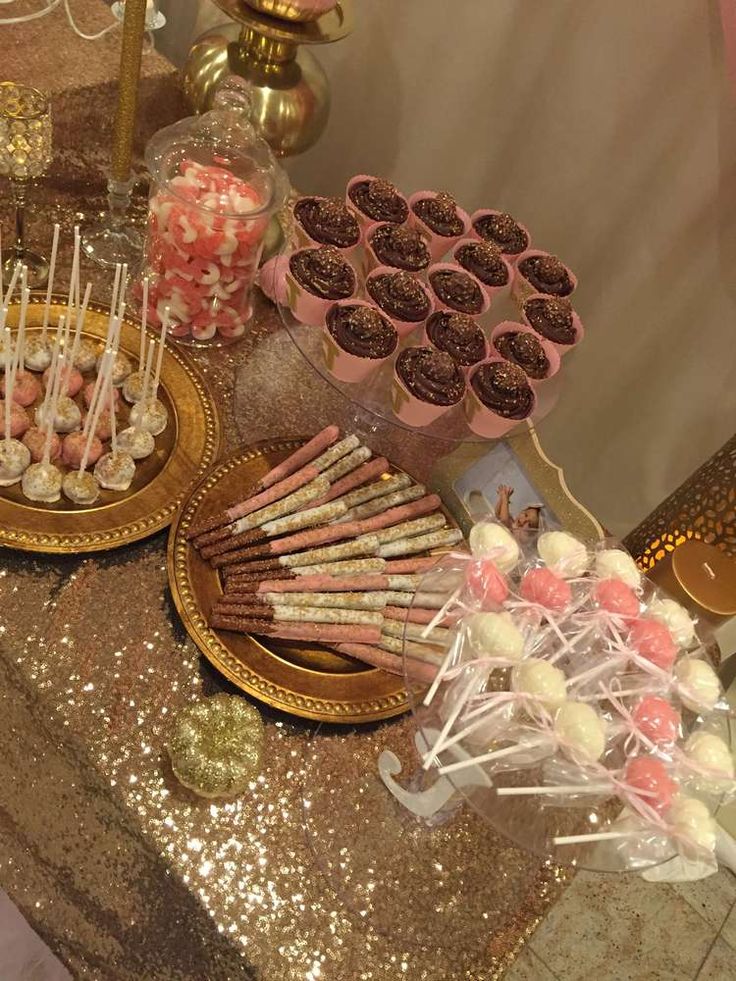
609	128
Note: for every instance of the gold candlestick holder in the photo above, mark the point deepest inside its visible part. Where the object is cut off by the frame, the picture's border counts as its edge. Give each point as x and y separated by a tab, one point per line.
290	91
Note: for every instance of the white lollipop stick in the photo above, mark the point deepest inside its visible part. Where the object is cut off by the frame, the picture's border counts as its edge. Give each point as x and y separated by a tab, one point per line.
80	315
456	710
50	286
123	288
20	342
7	344
106	371
52	409
11	284
98	392
52	373
74	274
114	300
113	420
596	836
147	373
495	755
590	673
144	324
564	788
448	660
161	345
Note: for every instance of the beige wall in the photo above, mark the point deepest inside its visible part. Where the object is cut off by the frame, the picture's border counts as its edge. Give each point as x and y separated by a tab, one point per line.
608	127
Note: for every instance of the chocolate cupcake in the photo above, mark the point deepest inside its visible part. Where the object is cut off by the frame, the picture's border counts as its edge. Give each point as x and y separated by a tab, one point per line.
501	230
457	290
525	350
499	395
376	200
357	338
426	384
315	279
399	295
440	219
554	319
326	221
485	262
458	335
398	246
539	272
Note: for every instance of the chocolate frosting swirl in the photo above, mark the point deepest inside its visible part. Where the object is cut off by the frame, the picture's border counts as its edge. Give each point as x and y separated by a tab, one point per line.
399	295
552	318
458	335
379	200
328	221
440	214
362	331
503	388
546	274
324	272
525	350
457	289
430	375
484	261
503	231
400	246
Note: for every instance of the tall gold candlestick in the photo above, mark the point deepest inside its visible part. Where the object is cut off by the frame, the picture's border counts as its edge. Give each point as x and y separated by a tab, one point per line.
134	25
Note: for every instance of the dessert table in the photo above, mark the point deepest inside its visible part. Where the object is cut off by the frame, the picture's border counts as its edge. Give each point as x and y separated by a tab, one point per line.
120	870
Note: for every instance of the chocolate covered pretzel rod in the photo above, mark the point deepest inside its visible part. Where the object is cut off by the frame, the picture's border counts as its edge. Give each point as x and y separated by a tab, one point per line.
386	661
349	567
340	601
299	458
361	475
365	545
379	488
416	651
323	633
408	546
325	583
299	614
403	495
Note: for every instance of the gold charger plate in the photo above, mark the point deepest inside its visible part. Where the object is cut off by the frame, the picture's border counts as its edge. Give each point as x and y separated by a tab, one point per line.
305	679
183	453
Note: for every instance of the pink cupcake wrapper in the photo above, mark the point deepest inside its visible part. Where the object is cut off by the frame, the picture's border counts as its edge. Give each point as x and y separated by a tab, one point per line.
342	364
410	409
521	288
549	349
439	245
366	224
454	267
465	368
303	240
562	349
403	327
490	291
481	419
305	306
481	213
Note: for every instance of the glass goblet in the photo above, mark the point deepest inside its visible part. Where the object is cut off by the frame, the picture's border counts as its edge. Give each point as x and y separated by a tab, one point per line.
25	154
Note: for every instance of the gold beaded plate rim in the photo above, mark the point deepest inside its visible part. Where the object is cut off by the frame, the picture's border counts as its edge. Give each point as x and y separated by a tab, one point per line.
124	518
305	680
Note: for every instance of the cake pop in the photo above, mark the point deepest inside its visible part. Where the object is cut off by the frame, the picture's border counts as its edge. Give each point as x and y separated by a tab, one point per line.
488	538
88	394
133	384
542	681
14	456
79	486
657	720
675	618
70	384
698	684
35	440
564	554
67	418
711	752
615	597
19	421
115	470
544	588
486	584
86	357
42	480
650	775
136	440
73	449
581	731
38	346
150	413
495	635
692	819
652	640
613	563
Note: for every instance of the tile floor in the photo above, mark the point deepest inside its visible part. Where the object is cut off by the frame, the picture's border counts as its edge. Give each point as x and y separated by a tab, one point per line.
621	928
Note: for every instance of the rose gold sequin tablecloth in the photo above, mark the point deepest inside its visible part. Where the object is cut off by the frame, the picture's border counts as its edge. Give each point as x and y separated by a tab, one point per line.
123	873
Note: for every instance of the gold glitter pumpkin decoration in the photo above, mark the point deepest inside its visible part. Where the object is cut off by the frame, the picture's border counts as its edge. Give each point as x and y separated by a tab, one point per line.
216	746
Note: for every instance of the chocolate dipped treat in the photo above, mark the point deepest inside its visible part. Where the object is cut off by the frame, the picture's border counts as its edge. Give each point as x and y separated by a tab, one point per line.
552	317
484	261
501	230
458	335
378	200
361	330
430	376
328	221
503	388
546	274
525	350
399	295
457	290
323	272
440	214
399	246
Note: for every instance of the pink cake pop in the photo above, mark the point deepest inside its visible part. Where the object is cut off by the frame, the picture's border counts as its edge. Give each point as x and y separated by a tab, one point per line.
73	449
616	597
89	392
657	719
35	440
649	774
19	421
486	583
653	641
70	384
26	388
543	587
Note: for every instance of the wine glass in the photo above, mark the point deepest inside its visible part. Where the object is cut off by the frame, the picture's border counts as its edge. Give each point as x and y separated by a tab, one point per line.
25	154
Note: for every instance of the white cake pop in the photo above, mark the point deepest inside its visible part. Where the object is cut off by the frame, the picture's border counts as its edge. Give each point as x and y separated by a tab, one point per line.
115	470
613	563
491	538
495	635
86	356
42	482
37	355
691	818
137	442
150	415
699	688
67	417
14	459
675	617
563	554
81	487
133	387
711	752
581	730
541	680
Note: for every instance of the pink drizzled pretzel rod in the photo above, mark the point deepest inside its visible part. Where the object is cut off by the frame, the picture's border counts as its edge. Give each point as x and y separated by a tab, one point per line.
386	661
361	475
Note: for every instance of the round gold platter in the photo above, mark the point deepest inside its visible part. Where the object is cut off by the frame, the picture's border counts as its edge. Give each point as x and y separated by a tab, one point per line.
307	680
183	453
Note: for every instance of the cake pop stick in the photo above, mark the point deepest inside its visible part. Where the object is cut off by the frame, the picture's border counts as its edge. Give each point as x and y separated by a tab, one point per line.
12	284
52	409
79	323
50	284
113	420
144	323
595	836
123	288
106	371
494	755
114	298
161	345
44	418
7	344
74	274
99	393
